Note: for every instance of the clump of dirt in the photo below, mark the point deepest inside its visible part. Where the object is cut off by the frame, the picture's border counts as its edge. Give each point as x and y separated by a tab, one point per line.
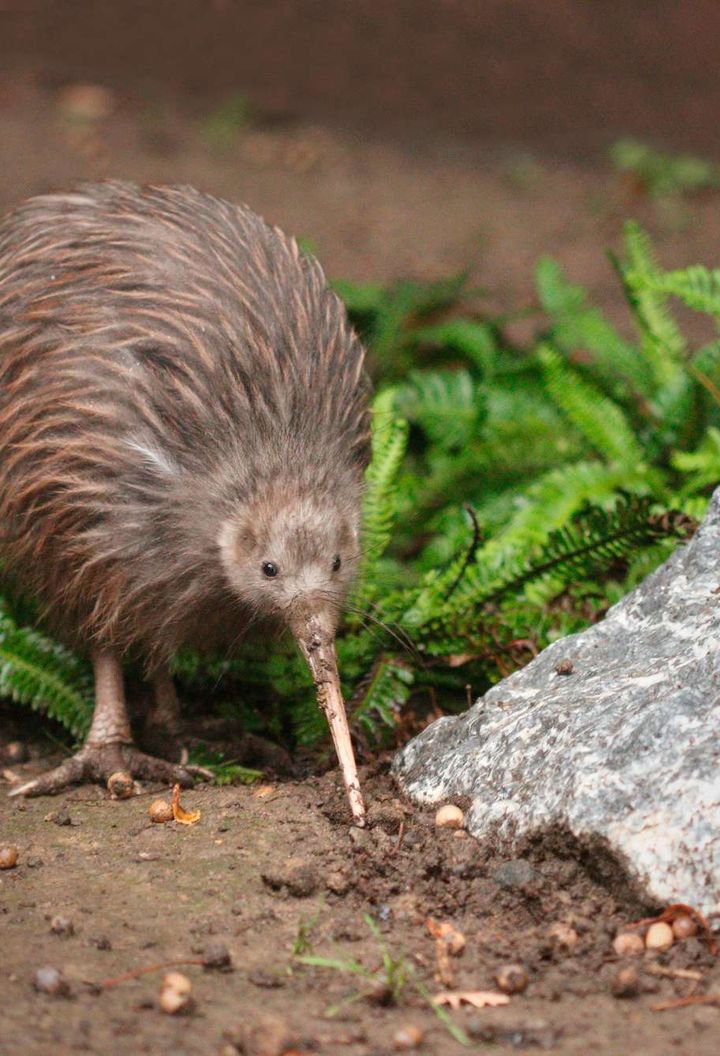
311	914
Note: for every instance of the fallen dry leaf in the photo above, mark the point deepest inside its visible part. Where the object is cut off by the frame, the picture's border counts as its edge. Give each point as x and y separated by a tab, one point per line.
477	998
185	817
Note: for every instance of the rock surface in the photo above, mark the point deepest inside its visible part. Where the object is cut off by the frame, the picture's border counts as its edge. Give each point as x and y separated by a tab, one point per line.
623	752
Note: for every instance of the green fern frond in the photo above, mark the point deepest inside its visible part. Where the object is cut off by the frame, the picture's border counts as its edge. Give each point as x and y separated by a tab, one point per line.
591	542
389	444
599	419
447	404
475	341
380	696
663	343
579	328
697	287
702	466
40	673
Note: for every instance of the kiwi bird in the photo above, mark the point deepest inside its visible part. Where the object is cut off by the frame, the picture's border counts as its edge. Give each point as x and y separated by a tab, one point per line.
184	429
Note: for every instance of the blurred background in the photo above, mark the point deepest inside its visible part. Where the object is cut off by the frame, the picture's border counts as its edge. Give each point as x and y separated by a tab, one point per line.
402	139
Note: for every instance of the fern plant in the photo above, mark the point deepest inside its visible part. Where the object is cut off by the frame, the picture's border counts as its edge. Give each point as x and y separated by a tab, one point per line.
514	493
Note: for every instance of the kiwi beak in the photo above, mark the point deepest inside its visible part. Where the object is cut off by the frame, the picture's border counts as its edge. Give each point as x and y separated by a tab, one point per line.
318	647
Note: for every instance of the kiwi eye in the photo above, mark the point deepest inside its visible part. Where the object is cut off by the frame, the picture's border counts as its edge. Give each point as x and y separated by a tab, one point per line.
270	569
336	563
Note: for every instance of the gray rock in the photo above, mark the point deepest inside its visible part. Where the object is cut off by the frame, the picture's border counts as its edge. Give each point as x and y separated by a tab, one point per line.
623	754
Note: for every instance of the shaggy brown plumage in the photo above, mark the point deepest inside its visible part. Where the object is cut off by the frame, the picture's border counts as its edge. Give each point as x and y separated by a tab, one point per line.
182	402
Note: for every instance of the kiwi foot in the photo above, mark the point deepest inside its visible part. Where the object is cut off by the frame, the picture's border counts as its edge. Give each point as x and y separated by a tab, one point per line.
97	762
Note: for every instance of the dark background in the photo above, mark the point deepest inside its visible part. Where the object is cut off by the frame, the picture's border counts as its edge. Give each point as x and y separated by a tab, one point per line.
400	137
565	74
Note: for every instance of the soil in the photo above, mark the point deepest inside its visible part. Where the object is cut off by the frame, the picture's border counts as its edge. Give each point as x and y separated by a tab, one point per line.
264	872
273	870
373	209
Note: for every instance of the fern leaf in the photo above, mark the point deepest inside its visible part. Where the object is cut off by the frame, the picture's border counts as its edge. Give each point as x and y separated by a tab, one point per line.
379	697
447	404
38	672
599	419
578	327
697	287
474	340
664	344
389	443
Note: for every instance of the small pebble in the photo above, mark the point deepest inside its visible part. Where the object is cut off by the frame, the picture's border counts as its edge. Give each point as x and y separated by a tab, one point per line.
684	927
659	937
217	956
160	811
59	817
100	942
407	1038
512	978
626	982
175	993
628	944
61	925
51	981
563	937
268	1036
120	785
565	667
8	856
338	882
298	876
450	817
361	839
516	873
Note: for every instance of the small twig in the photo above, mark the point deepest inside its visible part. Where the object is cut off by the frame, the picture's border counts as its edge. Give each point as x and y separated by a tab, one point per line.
682	1002
400	838
674	973
135	973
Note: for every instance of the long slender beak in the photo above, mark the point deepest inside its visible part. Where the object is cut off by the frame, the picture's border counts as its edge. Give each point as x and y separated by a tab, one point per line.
318	647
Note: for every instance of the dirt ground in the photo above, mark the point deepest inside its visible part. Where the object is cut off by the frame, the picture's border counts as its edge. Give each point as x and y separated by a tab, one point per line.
372	209
266	873
273	871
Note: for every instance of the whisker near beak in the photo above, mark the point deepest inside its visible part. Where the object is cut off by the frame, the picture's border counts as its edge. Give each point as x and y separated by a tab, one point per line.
318	647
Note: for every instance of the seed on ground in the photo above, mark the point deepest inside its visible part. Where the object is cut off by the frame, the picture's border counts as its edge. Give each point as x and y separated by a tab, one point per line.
450	817
160	811
626	982
62	925
511	978
659	937
120	785
16	752
628	944
8	856
684	927
175	993
407	1038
